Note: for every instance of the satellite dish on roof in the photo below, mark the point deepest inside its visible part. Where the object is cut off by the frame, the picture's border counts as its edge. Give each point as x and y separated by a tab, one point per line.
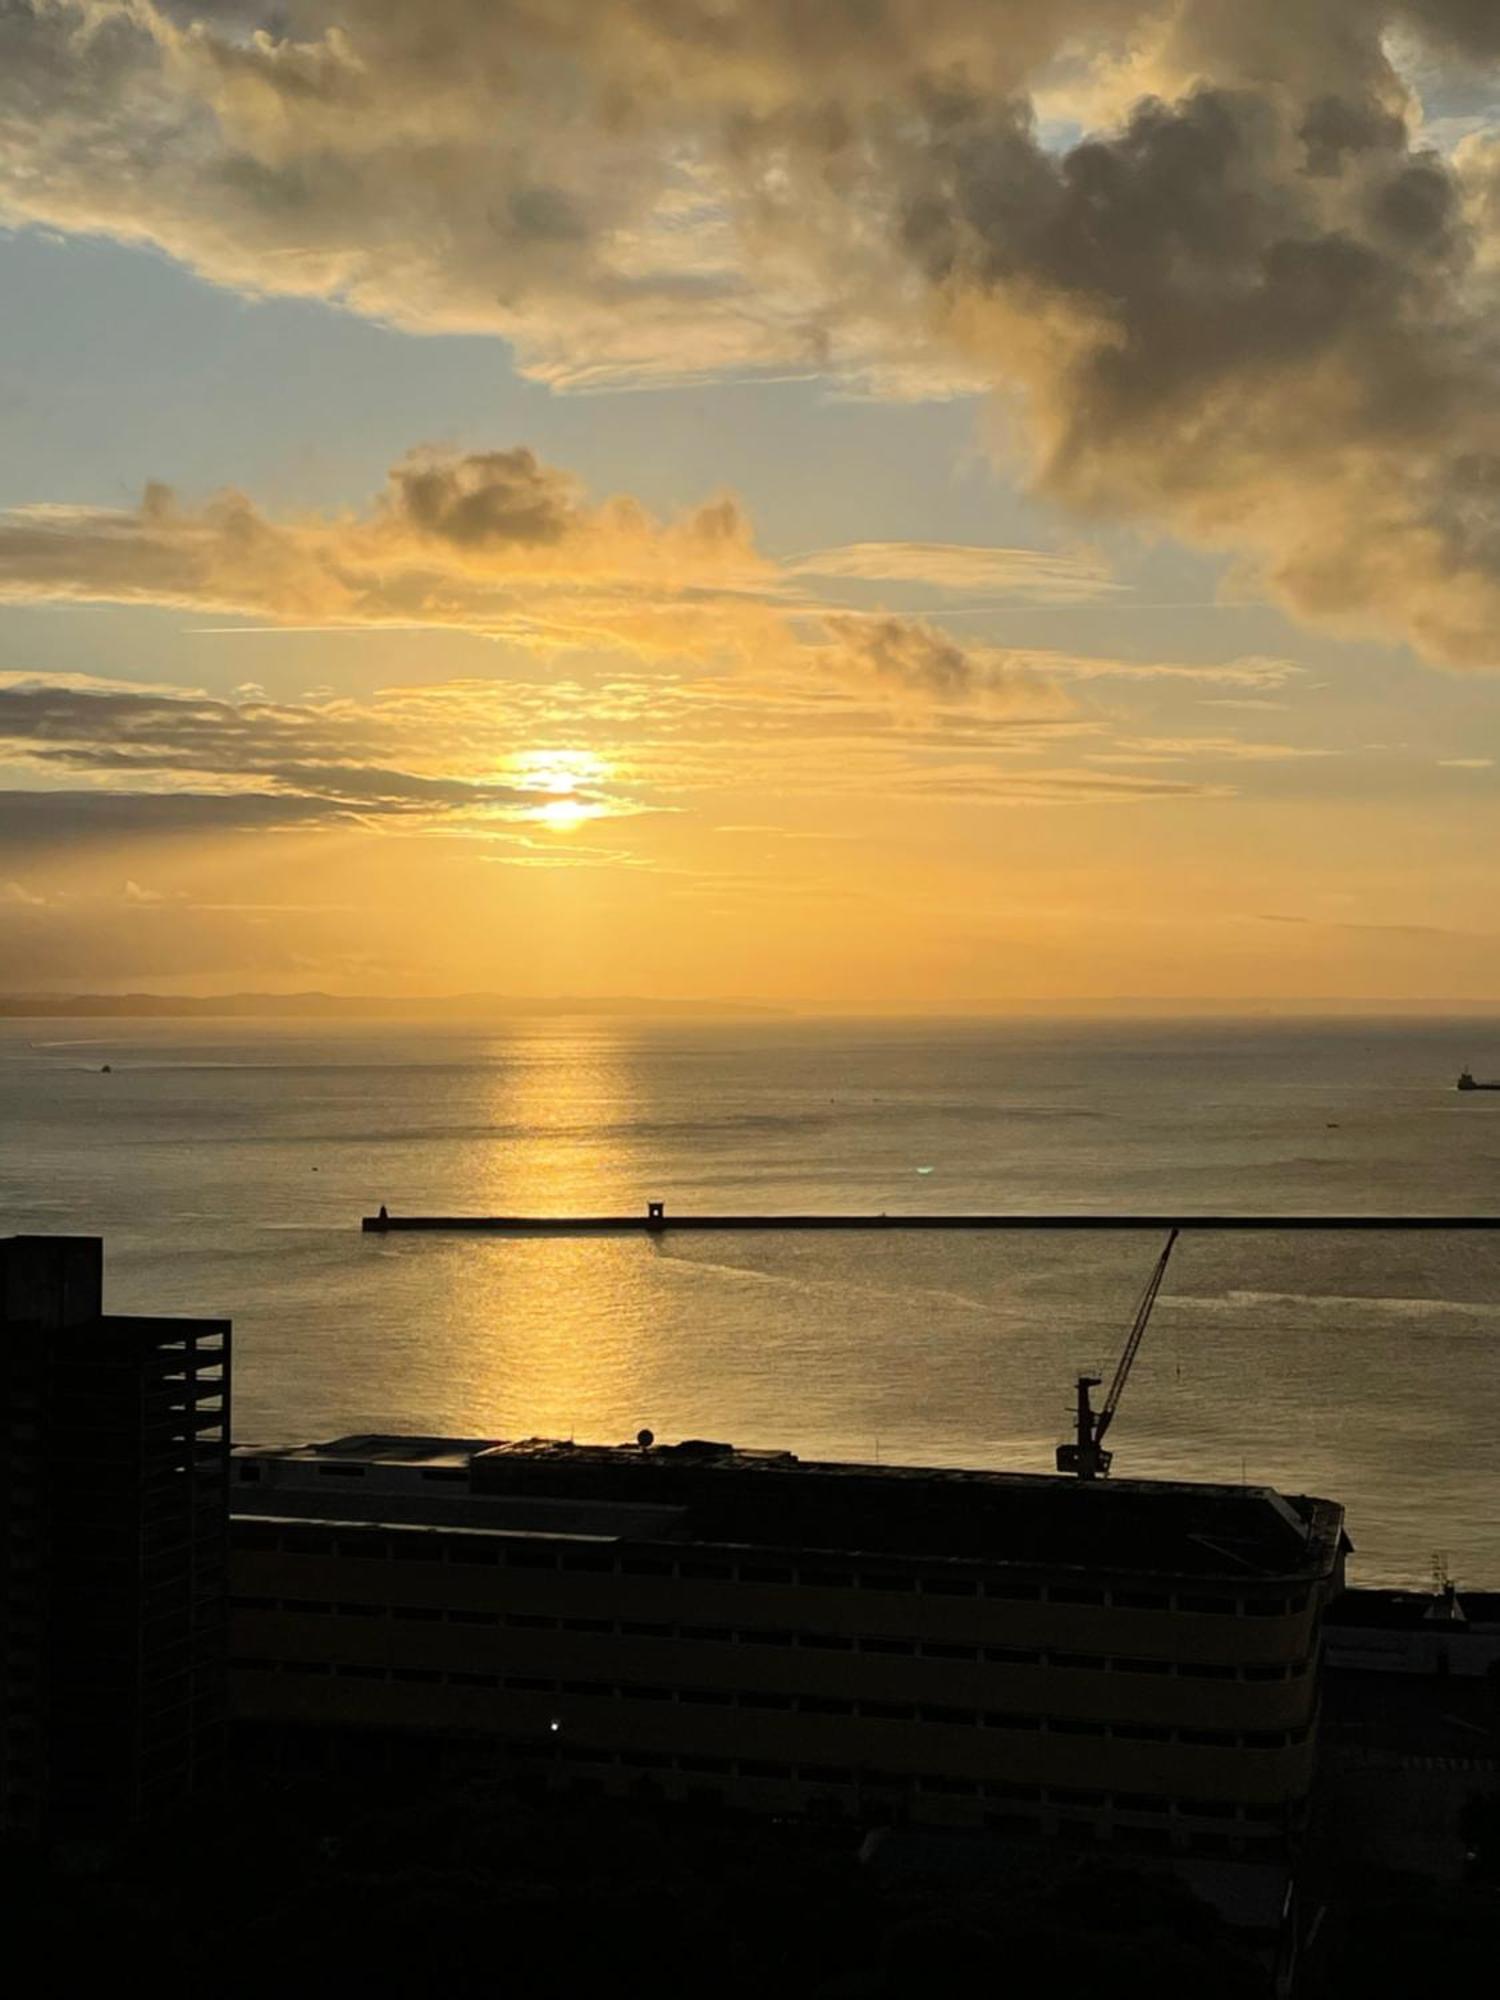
645	1439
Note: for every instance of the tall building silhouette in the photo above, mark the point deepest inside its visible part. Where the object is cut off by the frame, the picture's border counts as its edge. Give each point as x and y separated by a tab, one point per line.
114	1446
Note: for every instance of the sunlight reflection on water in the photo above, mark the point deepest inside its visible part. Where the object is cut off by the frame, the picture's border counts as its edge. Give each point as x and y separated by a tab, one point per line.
228	1164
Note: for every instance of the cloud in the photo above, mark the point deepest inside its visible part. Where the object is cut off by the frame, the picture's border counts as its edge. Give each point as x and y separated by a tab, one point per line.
501	545
1255	672
1250	304
978	785
1374	930
1176	749
514	765
186	762
504	499
62	818
914	658
1031	575
1468	27
490	541
588	181
1256	312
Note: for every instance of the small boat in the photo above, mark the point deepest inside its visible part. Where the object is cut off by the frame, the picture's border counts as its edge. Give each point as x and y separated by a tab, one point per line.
1466	1082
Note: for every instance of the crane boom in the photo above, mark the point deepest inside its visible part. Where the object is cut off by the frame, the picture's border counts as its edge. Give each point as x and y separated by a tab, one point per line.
1085	1455
1132	1344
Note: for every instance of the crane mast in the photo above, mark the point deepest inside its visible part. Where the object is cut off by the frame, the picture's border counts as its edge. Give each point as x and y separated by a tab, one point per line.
1085	1457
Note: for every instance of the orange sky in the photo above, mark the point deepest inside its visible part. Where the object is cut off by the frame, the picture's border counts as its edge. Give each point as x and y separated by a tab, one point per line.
959	506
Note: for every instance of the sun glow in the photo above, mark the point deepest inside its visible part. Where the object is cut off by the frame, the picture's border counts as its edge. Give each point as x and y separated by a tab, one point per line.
566	812
559	771
570	776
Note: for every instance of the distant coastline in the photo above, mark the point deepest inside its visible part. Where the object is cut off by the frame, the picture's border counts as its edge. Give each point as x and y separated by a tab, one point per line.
333	1006
472	1007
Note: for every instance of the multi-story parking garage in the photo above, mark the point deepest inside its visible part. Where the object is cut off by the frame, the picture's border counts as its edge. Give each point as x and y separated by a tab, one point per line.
1132	1661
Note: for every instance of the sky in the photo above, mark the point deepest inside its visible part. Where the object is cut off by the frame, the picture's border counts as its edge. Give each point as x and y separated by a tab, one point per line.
895	506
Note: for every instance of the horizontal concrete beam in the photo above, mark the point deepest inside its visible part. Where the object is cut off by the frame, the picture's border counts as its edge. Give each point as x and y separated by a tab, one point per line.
653	1225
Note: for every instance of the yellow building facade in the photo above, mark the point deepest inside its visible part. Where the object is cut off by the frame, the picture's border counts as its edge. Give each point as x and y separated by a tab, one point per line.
1134	1662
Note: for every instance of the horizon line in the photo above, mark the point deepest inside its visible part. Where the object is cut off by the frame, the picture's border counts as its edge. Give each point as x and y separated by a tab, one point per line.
19	1004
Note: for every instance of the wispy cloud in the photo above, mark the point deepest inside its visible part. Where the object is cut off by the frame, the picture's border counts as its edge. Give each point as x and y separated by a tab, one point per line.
212	764
1211	749
520	763
1026	575
1254	672
1374	929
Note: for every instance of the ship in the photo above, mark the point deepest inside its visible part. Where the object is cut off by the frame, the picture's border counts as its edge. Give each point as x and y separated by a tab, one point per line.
1466	1082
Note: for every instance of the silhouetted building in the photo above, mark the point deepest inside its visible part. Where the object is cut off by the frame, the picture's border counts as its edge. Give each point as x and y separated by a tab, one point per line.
1411	1684
1442	1632
1124	1660
113	1506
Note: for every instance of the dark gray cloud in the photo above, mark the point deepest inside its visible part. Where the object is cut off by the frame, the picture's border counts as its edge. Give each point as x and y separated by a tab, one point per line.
912	657
1468	27
34	820
219	765
485	497
1262	319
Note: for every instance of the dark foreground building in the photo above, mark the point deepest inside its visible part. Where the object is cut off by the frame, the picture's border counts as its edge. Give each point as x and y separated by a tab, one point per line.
113	1468
1127	1662
1409	1771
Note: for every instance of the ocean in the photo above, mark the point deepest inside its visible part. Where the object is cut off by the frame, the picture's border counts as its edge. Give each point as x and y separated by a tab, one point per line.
227	1165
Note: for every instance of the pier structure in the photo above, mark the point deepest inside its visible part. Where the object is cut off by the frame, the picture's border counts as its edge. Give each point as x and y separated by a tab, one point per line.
656	1222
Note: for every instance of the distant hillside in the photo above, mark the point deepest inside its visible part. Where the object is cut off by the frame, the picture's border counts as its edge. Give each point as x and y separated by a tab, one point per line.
335	1006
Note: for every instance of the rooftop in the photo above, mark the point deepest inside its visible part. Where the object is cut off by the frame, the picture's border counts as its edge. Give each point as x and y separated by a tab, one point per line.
1415	1611
373	1448
703	1491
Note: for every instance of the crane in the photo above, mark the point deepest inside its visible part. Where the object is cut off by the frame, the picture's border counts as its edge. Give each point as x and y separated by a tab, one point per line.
1086	1456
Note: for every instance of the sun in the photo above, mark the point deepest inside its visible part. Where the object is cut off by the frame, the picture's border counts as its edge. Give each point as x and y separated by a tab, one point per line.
569	776
565	812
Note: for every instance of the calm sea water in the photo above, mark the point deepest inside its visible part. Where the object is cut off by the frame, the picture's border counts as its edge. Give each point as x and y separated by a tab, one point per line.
228	1164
